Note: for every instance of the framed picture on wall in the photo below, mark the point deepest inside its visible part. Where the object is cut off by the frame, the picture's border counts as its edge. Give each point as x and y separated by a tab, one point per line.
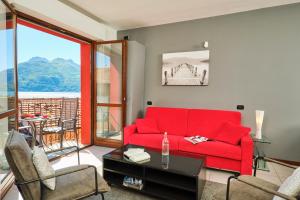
185	68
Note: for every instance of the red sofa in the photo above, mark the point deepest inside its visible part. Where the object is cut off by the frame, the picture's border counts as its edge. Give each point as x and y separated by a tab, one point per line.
181	122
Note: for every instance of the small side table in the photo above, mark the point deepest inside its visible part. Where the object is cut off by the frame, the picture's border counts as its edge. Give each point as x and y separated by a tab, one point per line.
259	162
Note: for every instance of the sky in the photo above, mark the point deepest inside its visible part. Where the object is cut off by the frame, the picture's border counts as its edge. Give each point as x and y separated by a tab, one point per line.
32	43
6	51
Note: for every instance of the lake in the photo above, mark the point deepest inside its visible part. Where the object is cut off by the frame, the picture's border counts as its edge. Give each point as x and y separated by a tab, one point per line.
48	94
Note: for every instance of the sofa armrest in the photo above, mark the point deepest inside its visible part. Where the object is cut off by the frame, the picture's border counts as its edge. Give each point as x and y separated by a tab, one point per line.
128	131
247	155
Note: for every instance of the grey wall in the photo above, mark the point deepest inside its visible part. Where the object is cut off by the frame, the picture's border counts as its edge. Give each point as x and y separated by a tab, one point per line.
254	61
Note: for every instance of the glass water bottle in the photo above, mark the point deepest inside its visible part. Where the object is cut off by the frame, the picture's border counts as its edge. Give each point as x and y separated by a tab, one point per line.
165	152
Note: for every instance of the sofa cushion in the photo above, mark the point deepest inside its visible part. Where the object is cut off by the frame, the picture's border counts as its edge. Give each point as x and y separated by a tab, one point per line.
207	122
170	120
148	125
231	133
212	148
154	140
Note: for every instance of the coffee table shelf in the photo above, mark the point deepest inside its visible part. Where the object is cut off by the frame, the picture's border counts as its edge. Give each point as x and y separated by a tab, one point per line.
165	192
170	179
178	182
123	168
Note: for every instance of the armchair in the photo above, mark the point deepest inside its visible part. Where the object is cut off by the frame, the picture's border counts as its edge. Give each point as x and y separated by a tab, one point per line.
76	182
249	187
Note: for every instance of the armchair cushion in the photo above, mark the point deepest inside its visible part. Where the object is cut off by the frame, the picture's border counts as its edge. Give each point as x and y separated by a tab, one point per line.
231	133
147	125
43	167
291	185
75	185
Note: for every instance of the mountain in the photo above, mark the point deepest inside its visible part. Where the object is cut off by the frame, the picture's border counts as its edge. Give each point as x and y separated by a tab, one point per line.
41	75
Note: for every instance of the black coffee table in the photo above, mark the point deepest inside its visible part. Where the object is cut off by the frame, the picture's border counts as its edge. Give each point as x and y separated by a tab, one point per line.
184	178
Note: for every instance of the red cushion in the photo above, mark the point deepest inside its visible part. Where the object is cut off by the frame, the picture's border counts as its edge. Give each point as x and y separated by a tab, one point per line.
170	120
206	122
154	140
231	133
212	148
146	125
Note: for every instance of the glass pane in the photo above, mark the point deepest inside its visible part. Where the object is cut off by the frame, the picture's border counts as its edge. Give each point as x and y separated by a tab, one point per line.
109	73
109	122
6	124
7	62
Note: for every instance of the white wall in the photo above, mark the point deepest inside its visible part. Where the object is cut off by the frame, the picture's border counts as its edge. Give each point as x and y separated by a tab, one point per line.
61	15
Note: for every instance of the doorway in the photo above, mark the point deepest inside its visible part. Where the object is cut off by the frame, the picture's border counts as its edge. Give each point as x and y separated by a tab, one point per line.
52	67
110	92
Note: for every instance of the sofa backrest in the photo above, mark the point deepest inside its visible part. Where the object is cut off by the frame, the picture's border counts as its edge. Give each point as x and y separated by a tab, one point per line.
206	122
170	120
191	122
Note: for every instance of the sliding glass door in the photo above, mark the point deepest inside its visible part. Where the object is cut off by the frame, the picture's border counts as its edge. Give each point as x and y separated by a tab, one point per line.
110	92
8	109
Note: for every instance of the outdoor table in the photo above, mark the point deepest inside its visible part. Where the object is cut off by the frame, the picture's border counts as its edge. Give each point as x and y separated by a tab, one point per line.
37	124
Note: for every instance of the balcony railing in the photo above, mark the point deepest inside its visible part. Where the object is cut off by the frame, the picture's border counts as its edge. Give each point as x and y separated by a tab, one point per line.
50	107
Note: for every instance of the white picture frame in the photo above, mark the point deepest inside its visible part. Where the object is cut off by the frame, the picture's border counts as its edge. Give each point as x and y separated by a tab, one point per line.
185	68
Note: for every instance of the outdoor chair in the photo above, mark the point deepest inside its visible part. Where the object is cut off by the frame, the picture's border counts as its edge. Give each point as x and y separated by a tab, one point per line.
67	121
24	127
250	187
76	182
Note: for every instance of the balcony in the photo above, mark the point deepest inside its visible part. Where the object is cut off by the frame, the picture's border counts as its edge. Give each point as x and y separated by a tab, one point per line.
50	107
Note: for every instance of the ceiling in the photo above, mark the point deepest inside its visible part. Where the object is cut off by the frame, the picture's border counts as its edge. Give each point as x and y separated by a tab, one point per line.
130	14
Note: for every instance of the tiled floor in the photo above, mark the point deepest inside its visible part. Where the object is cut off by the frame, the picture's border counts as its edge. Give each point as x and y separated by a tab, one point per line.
93	155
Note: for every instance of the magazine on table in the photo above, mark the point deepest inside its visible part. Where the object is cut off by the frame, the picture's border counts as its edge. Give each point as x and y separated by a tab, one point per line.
196	139
137	155
133	183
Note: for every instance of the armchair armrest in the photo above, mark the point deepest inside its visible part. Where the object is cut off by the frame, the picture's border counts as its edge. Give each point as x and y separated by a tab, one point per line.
247	155
263	188
280	163
65	148
128	131
82	167
245	180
